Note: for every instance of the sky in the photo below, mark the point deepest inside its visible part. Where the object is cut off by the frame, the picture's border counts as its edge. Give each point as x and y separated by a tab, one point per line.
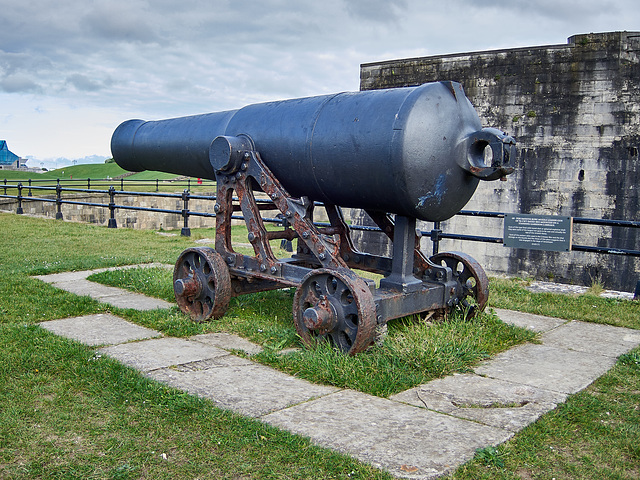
72	70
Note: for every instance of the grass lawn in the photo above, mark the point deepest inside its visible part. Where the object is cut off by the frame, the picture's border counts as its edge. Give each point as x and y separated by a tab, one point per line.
67	413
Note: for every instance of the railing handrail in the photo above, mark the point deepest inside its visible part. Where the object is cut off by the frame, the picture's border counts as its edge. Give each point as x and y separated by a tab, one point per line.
436	234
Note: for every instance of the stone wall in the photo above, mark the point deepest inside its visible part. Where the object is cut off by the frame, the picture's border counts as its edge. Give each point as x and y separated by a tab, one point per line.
124	218
574	110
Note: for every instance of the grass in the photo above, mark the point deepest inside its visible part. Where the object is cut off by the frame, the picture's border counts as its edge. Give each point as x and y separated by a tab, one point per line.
512	294
68	413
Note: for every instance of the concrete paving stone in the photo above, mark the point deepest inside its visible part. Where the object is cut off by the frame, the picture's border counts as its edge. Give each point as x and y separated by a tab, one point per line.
64	276
112	295
99	329
161	353
547	367
135	301
249	389
228	342
490	401
407	441
537	323
85	287
593	338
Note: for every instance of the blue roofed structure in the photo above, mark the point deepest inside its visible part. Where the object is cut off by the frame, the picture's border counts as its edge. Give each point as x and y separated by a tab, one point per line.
8	159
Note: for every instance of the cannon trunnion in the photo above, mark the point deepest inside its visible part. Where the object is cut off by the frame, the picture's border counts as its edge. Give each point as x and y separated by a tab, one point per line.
400	154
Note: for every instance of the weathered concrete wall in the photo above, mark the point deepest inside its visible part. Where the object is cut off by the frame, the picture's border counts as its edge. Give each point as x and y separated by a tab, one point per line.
575	112
124	218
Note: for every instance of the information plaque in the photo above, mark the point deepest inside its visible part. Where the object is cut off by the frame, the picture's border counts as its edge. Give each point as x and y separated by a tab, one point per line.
538	232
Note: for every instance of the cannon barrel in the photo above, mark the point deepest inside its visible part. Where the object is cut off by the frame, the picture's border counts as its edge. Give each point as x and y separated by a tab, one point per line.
416	151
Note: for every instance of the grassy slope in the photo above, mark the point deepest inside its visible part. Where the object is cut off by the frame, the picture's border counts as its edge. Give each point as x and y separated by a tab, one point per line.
97	171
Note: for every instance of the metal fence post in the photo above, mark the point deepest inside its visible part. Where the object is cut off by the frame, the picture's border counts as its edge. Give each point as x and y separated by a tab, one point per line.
112	208
122	184
19	210
29	194
186	231
435	237
157	185
59	201
88	183
5	186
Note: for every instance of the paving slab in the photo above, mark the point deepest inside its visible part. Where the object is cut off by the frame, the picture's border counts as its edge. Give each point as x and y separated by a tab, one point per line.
77	283
547	367
99	329
161	353
249	389
593	338
64	276
490	401
228	342
537	323
407	441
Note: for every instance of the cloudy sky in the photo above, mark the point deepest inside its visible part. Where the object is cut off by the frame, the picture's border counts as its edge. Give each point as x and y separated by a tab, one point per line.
72	70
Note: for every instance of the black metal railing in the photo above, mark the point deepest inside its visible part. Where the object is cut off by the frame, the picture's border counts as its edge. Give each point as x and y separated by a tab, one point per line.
435	234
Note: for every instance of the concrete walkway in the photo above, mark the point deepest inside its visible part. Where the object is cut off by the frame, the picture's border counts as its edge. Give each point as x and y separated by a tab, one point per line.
421	433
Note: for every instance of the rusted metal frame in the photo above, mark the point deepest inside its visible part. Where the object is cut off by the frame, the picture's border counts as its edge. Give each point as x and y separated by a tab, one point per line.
392	303
261	207
224	211
423	267
354	257
402	267
297	213
257	231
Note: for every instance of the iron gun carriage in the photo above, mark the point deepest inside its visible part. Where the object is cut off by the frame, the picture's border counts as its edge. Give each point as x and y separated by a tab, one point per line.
402	155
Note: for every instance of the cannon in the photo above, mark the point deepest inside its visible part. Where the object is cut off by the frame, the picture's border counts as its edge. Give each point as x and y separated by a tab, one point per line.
402	155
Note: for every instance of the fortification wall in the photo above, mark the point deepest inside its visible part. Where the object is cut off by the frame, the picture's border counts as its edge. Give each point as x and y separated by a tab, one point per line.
574	110
138	219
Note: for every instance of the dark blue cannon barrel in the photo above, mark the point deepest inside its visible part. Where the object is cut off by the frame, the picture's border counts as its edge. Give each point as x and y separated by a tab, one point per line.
416	151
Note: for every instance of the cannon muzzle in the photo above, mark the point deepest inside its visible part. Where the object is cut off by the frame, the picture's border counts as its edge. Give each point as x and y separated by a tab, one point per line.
417	151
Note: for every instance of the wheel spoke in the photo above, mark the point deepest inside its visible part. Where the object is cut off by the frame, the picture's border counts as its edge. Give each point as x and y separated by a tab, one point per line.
202	284
472	279
351	321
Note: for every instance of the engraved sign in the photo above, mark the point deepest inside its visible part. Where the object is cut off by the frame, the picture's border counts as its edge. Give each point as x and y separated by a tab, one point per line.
538	232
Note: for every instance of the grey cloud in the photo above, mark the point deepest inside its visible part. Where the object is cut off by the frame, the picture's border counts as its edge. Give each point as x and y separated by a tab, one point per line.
120	22
84	83
19	83
383	11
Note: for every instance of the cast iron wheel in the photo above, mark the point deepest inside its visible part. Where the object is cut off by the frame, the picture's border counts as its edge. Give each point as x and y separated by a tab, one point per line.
335	305
473	282
202	284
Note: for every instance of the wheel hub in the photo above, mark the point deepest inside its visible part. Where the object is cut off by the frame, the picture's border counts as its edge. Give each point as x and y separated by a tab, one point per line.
321	318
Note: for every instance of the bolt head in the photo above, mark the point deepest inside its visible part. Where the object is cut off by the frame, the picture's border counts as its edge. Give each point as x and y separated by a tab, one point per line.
263	268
